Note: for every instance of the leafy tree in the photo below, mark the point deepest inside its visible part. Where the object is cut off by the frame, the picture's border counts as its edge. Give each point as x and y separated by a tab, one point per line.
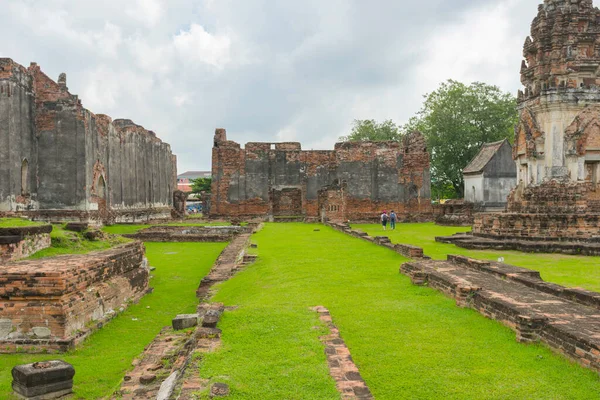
371	130
200	185
457	120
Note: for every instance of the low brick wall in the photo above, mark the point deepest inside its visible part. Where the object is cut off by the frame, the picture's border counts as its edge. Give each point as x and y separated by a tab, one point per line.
21	242
189	233
538	227
567	320
406	250
54	303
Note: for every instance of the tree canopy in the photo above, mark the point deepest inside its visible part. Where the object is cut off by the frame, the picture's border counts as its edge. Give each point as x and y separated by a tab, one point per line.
371	130
457	120
200	185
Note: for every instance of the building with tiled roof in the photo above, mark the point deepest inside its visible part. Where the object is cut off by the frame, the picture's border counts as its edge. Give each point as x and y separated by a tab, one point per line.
491	175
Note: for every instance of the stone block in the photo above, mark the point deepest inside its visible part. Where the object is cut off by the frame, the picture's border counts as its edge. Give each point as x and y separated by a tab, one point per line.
41	332
211	319
185	321
44	380
77	226
219	390
6	328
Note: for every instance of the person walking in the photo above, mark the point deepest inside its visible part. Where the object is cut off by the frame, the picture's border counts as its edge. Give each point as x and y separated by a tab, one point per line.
384	220
393	219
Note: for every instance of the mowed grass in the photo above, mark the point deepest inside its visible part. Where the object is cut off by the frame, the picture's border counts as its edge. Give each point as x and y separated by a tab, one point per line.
102	361
17	222
409	342
571	271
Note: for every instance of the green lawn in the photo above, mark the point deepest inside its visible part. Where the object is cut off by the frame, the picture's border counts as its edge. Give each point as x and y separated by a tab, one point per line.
102	361
17	222
409	342
572	271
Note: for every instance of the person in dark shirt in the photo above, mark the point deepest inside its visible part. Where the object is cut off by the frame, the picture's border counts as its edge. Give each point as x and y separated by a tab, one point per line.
384	220
393	219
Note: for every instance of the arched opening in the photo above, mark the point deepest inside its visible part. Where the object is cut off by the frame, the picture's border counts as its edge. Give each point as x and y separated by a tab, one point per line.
101	188
24	177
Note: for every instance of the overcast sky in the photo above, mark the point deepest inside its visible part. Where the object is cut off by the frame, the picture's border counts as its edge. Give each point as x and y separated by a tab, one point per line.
266	70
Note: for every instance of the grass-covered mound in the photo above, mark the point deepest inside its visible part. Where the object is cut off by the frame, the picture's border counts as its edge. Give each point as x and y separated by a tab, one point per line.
409	342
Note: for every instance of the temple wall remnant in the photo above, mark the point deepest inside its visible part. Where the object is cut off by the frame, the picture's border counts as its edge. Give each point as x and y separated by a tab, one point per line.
357	180
59	160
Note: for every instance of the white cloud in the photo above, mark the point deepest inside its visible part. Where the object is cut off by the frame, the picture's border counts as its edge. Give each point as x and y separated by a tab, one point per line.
149	12
200	47
265	70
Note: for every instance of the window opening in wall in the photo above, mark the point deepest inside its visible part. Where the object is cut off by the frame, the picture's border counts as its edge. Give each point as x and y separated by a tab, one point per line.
101	187
591	172
24	177
474	193
272	147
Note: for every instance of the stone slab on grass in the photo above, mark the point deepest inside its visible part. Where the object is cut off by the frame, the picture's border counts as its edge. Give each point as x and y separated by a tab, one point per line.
185	321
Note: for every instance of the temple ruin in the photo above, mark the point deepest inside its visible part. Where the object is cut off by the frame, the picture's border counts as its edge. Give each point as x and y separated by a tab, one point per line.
557	139
59	161
356	181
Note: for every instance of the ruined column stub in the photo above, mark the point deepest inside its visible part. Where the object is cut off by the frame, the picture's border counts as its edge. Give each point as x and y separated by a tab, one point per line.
62	81
220	135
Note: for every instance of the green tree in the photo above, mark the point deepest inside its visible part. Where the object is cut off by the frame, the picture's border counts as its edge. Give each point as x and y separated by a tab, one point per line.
457	120
371	130
200	185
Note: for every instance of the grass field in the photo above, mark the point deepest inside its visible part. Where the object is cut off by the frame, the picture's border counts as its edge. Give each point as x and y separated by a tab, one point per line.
572	271
17	222
409	342
101	362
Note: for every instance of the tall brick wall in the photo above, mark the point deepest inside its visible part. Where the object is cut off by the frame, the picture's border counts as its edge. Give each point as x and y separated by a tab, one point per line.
280	179
80	165
54	303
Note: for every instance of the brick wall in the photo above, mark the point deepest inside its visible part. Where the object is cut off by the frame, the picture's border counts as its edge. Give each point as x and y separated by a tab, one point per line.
280	179
550	211
54	303
21	242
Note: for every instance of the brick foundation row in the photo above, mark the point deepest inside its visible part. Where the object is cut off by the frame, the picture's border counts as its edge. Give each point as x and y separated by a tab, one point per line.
567	320
406	250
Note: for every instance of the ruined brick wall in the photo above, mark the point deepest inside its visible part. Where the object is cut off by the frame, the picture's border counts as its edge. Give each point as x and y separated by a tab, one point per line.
78	161
54	303
267	179
24	247
17	138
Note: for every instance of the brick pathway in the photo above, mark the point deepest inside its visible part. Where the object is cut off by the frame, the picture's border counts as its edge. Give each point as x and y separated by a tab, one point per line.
341	367
171	353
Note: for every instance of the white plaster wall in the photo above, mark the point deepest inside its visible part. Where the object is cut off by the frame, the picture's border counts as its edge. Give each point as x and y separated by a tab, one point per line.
474	181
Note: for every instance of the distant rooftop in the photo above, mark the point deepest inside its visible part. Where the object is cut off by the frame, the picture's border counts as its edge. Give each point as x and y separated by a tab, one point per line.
484	156
195	175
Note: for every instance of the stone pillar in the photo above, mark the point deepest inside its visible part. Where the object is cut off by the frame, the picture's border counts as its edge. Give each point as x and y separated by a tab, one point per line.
43	380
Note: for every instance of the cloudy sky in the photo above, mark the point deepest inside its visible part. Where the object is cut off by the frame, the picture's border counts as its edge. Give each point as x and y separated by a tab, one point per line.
266	70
